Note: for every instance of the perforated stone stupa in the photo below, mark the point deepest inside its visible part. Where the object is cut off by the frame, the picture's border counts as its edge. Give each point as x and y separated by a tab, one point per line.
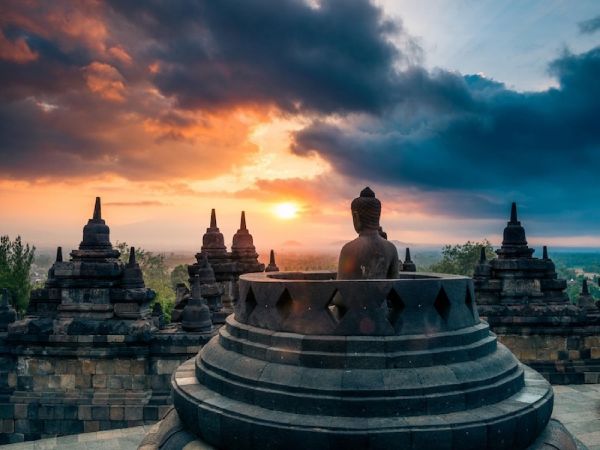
404	362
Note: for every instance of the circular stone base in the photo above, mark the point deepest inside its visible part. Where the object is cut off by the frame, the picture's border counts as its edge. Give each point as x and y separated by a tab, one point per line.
170	434
505	424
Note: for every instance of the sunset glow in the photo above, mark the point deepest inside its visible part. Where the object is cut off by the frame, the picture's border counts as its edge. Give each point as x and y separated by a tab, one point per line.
168	117
286	210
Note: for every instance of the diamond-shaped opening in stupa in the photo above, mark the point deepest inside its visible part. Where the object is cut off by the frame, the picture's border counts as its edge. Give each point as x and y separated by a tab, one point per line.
284	304
250	302
335	308
442	304
469	301
395	307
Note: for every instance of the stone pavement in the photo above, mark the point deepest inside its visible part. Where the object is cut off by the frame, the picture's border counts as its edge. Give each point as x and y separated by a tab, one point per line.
123	439
576	406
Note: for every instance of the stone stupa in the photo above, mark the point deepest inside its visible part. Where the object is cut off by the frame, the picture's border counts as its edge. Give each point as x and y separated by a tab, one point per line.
527	306
226	267
405	363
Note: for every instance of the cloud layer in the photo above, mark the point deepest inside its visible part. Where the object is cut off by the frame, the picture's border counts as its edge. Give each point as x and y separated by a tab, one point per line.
157	90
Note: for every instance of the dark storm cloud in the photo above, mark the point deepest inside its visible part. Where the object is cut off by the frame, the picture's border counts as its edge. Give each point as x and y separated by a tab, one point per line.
332	58
77	98
590	26
492	140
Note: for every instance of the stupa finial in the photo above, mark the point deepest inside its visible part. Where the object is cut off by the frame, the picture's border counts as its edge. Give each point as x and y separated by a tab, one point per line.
272	258
545	252
213	218
59	256
132	261
407	256
513	213
272	267
482	255
243	221
97	210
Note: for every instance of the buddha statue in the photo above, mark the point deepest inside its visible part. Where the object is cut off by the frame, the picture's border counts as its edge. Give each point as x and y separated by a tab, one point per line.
369	256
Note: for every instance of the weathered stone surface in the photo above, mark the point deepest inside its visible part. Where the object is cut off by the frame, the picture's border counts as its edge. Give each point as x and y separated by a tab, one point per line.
88	356
369	256
526	305
311	360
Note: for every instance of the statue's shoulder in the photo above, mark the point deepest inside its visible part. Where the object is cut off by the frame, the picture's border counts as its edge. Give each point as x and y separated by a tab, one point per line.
390	247
350	246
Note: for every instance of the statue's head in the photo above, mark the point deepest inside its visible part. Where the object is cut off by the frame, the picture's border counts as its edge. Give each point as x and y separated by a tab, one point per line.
366	211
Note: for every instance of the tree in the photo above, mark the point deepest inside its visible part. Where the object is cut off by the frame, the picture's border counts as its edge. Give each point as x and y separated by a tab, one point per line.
179	275
156	275
15	267
461	259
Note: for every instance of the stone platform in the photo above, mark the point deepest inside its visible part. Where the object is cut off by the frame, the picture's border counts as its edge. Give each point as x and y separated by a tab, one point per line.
577	407
309	361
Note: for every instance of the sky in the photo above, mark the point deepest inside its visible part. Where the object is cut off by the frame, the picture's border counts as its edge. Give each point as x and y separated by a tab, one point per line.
448	109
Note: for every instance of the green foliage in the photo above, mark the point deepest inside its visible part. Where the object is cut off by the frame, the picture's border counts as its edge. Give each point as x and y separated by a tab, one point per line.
156	275
15	265
461	259
179	275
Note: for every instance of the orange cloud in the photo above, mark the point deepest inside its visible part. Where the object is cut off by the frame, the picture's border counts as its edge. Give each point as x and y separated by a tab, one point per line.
16	51
104	80
120	54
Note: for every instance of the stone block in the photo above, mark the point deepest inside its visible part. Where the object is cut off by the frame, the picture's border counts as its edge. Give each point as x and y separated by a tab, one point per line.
573	342
88	366
20	411
6	411
114	382
7	426
40	382
84	412
73	367
67	382
54	381
91	426
134	413
83	381
591	377
122	367
592	341
138	367
70	412
138	382
99	381
595	352
150	413
100	412
105	367
117	413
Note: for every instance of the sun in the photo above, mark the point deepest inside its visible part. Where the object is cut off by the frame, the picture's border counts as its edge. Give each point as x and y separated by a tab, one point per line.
287	210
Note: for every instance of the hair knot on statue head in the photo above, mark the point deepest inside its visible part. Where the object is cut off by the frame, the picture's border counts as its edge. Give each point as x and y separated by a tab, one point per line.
366	211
